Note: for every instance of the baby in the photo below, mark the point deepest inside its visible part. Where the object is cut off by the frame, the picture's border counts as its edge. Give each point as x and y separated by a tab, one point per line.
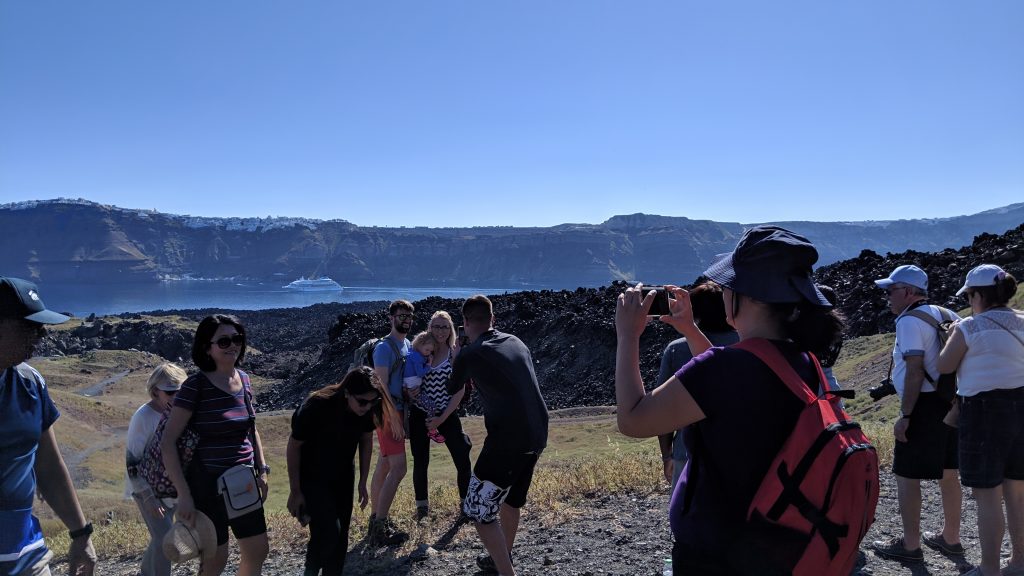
417	363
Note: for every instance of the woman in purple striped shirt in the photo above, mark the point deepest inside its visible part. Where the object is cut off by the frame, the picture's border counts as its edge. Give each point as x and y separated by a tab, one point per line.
217	403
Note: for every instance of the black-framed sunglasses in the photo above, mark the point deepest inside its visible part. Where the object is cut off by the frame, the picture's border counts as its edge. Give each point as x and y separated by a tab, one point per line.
889	291
170	392
441	327
225	342
363	402
403	316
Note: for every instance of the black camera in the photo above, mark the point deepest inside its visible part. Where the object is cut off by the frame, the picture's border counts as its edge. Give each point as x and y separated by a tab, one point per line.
884	388
660	305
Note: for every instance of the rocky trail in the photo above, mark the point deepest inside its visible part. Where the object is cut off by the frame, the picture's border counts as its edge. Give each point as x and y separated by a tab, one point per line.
608	535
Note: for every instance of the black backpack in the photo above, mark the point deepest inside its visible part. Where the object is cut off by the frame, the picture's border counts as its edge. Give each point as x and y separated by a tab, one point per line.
946	385
363	355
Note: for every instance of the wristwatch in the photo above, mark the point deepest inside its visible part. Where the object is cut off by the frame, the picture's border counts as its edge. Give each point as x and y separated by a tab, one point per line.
83	531
265	469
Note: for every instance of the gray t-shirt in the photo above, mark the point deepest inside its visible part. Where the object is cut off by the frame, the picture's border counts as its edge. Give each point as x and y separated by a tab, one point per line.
501	367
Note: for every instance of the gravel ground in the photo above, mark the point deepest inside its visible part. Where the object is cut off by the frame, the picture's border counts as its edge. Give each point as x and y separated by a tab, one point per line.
610	535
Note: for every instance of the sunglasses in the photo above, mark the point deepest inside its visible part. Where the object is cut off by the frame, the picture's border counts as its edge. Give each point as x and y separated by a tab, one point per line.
889	291
443	327
225	342
170	392
363	402
403	316
969	294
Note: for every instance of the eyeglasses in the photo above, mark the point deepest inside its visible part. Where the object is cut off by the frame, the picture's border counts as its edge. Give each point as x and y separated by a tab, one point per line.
403	316
170	392
889	291
441	327
225	342
363	402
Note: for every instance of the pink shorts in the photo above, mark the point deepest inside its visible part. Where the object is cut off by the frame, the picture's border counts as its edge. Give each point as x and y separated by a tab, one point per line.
388	445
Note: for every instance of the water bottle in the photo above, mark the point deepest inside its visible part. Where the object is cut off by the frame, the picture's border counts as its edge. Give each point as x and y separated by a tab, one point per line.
668	567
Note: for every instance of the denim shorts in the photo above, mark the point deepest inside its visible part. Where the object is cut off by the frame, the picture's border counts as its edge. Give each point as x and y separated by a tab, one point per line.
931	446
992	438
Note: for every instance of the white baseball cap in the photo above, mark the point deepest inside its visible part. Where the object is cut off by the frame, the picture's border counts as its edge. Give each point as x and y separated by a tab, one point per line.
984	275
906	274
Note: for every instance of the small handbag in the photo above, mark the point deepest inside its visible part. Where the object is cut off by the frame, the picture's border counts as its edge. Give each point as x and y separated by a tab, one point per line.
238	484
240	490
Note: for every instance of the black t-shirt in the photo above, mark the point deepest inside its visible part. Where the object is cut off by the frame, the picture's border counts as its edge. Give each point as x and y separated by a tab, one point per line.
501	367
330	434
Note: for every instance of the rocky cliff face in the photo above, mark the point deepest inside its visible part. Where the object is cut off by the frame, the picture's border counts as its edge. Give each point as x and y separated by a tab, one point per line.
571	334
80	241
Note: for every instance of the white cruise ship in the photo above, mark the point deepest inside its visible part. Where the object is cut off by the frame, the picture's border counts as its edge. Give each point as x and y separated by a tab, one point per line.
321	284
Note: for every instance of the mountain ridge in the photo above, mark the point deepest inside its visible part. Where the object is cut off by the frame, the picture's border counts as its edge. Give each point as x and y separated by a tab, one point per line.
77	240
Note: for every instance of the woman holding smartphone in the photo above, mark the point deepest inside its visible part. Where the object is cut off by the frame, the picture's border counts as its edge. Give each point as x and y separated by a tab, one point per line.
327	430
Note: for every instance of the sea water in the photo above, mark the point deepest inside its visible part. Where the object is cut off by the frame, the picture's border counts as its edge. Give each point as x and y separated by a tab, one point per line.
102	299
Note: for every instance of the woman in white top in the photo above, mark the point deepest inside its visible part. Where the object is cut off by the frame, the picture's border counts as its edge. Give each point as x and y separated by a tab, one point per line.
164	383
987	353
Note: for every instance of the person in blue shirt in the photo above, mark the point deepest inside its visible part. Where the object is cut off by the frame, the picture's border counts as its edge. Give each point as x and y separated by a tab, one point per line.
29	457
388	358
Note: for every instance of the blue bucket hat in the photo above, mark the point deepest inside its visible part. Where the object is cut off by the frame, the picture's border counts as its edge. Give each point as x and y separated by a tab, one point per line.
20	299
770	264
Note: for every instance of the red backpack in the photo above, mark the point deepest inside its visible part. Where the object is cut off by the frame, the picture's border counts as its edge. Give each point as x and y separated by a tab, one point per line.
817	501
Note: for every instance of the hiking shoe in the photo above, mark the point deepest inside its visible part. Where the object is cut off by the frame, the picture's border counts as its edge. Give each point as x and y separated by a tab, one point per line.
893	549
422	512
486	564
937	542
385	533
435	436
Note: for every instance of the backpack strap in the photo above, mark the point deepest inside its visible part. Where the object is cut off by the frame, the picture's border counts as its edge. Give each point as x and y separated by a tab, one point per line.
931	321
398	355
770	355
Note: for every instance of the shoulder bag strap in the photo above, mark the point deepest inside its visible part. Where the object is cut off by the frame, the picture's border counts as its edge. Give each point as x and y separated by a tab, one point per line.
1000	324
247	396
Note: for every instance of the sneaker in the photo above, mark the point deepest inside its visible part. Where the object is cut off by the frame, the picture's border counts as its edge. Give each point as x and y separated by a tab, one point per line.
422	512
893	549
937	542
435	436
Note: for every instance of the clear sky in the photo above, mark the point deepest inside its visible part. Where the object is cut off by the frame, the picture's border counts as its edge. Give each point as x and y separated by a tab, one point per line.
459	113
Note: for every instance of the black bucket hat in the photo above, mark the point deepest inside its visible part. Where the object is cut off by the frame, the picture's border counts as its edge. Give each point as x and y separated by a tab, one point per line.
770	264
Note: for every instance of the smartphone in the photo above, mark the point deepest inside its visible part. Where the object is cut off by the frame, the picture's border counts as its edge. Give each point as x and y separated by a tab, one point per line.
660	305
463	340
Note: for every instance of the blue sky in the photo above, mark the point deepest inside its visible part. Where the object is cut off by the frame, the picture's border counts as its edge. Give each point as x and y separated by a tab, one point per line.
446	113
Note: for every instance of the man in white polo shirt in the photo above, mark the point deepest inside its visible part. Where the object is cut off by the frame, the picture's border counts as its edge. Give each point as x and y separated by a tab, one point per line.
925	448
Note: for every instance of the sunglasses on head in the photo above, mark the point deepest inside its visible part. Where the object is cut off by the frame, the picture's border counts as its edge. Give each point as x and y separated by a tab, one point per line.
363	402
225	342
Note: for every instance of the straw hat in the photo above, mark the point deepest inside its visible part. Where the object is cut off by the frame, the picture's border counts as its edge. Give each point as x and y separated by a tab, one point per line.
182	543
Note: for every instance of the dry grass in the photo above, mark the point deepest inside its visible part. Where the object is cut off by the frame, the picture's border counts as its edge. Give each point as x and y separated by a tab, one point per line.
586	456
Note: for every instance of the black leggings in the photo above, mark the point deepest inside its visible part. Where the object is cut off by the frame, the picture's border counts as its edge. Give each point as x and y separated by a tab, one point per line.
458	445
330	512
